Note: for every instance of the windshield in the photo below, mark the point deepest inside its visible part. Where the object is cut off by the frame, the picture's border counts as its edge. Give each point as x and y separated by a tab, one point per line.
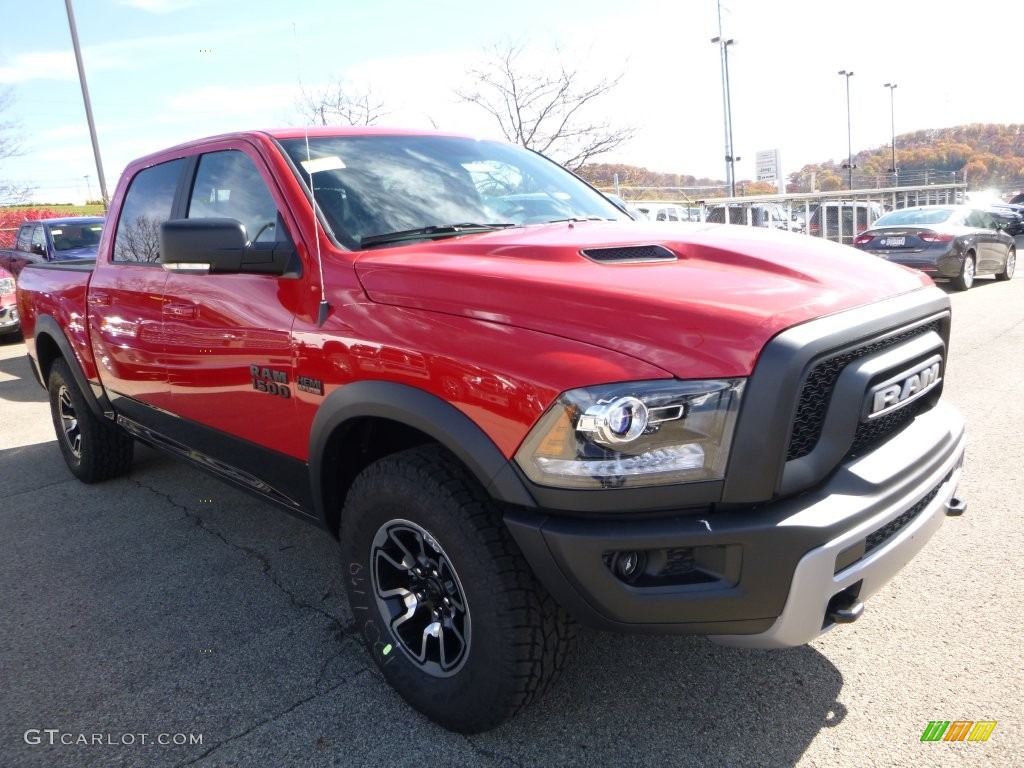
367	186
74	236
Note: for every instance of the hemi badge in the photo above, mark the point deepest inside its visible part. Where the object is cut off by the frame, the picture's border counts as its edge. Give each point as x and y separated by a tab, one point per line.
903	389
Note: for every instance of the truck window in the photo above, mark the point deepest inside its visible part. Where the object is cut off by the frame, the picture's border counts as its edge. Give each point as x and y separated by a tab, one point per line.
38	239
229	186
147	205
25	238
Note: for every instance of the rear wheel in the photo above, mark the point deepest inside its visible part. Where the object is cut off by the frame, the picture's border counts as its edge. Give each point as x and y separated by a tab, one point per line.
442	596
965	279
1011	264
94	448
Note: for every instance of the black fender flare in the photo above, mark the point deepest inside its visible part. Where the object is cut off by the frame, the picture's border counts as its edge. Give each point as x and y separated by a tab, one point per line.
47	325
424	412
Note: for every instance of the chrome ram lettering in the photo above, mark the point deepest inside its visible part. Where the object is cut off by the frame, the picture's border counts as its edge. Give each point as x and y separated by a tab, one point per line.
904	388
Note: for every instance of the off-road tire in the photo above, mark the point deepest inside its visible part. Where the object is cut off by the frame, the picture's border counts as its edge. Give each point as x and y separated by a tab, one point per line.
506	638
94	448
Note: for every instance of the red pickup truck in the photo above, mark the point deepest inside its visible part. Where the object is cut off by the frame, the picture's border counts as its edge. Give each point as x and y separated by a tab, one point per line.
515	407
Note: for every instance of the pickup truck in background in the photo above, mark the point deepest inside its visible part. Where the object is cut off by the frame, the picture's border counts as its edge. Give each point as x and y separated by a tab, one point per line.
513	406
51	240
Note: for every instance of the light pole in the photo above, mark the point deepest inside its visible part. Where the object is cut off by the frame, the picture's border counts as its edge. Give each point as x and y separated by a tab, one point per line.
88	104
730	158
849	136
892	117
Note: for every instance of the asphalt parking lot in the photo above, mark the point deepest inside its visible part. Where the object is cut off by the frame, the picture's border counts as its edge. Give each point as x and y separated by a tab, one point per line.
184	623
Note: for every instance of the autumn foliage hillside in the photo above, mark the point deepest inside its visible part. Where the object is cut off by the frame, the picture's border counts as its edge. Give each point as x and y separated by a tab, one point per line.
986	155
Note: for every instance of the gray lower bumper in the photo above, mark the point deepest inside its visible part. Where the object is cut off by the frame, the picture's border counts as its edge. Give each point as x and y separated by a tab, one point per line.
814	581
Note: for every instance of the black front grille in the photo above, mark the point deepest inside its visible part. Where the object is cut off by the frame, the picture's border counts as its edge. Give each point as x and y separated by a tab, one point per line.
876	431
817	393
628	253
894	526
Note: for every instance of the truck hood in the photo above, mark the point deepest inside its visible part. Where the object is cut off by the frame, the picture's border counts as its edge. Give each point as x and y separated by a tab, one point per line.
707	312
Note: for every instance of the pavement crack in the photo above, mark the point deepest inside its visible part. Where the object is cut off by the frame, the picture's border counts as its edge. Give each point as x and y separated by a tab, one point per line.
343	630
491	754
266	721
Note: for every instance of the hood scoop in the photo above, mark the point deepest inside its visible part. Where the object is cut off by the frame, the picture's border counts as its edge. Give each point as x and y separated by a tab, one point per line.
629	254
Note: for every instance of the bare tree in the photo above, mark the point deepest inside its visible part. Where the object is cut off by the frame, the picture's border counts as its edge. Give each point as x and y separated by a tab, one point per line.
10	146
548	111
341	103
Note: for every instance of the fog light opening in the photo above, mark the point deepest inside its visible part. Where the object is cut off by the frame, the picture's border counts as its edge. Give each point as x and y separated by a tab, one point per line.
628	565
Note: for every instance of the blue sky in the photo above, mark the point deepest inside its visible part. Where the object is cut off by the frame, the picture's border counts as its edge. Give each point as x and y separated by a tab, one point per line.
165	71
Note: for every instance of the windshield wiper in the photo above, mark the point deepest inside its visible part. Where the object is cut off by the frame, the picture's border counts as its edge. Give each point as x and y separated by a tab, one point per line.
572	219
431	233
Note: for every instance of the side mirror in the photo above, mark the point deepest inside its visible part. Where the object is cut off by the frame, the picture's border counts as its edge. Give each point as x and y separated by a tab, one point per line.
219	246
39	250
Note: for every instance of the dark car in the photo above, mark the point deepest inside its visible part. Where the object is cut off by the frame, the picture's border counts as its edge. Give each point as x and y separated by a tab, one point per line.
946	242
1009	217
49	240
8	305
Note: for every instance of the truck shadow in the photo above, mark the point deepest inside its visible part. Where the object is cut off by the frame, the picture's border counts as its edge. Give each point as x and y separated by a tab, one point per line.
679	701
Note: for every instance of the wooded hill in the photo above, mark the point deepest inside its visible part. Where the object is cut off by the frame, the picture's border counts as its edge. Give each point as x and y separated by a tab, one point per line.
985	155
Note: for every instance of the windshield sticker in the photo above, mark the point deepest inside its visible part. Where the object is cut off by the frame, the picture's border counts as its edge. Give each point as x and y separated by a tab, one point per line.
56	231
318	164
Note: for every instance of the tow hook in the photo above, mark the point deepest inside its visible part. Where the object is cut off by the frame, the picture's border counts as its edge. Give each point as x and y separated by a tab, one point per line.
845	608
847	614
955	507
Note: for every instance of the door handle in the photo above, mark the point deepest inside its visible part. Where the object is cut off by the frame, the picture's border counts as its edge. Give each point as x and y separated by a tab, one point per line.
99	300
180	310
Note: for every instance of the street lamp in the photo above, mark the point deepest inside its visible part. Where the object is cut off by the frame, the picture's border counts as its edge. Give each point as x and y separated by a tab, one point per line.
849	135
892	115
730	158
88	104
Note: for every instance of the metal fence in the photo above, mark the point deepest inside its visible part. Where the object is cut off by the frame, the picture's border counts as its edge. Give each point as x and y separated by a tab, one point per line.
838	216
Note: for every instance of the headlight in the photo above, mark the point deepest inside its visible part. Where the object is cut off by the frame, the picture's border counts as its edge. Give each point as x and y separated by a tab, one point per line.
636	434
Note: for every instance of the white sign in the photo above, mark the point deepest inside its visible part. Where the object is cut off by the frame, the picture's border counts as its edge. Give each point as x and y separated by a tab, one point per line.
767	161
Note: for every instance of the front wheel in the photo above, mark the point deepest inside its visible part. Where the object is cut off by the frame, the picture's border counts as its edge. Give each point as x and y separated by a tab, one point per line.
1011	264
965	279
442	596
94	448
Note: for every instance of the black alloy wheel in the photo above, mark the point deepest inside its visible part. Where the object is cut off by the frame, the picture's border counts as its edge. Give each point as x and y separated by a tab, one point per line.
421	597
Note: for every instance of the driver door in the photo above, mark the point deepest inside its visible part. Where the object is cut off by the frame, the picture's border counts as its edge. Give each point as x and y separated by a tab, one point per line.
220	328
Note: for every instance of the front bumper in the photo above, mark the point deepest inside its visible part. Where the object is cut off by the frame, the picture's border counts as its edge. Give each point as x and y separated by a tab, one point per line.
762	575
